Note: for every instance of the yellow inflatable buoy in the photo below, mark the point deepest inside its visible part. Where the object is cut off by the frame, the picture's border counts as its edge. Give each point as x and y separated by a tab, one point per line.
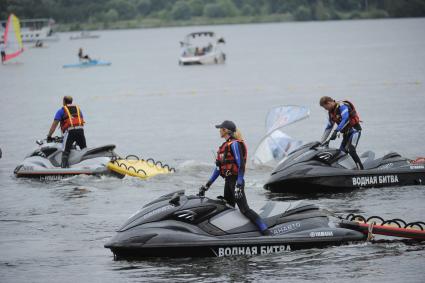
133	166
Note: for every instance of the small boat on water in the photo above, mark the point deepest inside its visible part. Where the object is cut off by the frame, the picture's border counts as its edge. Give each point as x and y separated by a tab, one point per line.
84	35
87	64
200	48
33	30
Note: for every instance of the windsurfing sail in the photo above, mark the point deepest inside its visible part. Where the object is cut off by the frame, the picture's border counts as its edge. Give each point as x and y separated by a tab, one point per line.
282	116
12	38
276	144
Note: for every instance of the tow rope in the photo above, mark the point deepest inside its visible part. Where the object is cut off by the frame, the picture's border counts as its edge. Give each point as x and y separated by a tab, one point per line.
134	166
377	225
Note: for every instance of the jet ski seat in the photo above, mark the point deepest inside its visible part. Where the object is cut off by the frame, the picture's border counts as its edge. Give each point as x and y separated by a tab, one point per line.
100	149
391	155
295	212
374	163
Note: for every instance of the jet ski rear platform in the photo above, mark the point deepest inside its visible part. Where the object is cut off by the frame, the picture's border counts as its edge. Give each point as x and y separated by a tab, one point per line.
176	225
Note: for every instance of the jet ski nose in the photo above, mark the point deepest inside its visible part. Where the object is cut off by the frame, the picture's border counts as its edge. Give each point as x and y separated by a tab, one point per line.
128	240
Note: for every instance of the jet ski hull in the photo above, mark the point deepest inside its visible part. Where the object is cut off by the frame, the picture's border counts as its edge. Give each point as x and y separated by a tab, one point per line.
60	173
355	179
260	245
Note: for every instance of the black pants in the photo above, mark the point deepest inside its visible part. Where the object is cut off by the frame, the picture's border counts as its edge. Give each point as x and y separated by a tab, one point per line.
349	144
3	56
77	136
229	196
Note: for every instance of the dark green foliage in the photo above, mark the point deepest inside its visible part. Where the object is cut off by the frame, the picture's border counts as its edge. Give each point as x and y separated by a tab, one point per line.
79	12
181	11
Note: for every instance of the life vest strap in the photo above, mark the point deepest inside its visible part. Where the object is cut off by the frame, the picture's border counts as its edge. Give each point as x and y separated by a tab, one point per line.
69	115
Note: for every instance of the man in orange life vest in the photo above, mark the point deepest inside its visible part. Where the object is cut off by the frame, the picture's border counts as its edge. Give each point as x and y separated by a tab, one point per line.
344	114
230	165
71	122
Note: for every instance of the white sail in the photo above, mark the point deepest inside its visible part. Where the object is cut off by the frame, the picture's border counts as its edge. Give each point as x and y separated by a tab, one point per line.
276	144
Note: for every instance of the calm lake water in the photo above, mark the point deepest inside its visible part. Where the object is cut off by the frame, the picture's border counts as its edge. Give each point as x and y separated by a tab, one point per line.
148	105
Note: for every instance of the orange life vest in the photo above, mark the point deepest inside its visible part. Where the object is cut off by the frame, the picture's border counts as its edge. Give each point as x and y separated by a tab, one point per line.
72	117
225	159
353	117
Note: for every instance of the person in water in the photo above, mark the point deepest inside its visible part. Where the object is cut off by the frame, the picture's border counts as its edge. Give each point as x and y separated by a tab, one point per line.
71	122
230	164
3	51
81	56
344	115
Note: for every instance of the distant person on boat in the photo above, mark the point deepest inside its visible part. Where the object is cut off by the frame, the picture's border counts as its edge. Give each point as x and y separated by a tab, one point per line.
39	43
71	122
230	164
3	51
344	115
83	57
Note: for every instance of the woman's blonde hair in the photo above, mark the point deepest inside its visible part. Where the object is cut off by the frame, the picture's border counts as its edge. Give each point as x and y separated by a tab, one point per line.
237	135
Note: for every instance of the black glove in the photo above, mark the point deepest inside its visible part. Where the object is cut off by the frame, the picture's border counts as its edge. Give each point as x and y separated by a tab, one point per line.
239	191
202	190
333	136
49	139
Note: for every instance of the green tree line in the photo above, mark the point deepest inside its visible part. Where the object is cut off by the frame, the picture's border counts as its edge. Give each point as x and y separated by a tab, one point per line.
173	11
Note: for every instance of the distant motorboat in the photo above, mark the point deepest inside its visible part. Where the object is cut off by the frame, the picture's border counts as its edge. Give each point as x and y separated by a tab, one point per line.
33	30
84	35
200	48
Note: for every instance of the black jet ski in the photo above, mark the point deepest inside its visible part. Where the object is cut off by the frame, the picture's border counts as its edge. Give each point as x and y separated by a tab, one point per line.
176	225
44	163
316	168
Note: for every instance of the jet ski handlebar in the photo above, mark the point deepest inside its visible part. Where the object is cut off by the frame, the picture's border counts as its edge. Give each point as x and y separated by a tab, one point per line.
55	139
325	143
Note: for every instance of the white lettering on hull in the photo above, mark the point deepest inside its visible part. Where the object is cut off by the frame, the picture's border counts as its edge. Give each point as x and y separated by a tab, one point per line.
240	250
366	181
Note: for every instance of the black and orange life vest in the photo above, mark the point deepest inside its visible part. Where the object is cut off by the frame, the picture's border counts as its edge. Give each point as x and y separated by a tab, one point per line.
353	117
225	159
72	117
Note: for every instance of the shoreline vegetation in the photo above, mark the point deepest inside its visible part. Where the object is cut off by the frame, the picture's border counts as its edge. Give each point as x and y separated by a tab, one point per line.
200	21
126	14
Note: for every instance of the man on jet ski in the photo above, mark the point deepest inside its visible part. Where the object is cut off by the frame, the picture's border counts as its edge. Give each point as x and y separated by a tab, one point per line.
231	159
71	122
344	114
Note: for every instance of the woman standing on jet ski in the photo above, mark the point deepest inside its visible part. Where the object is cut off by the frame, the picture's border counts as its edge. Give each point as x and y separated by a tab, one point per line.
231	159
344	114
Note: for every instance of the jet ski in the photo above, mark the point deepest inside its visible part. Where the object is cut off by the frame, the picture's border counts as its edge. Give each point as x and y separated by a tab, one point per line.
316	168
44	162
177	225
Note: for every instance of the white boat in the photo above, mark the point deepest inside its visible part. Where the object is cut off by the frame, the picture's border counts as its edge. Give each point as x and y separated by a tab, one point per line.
84	35
199	48
33	30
